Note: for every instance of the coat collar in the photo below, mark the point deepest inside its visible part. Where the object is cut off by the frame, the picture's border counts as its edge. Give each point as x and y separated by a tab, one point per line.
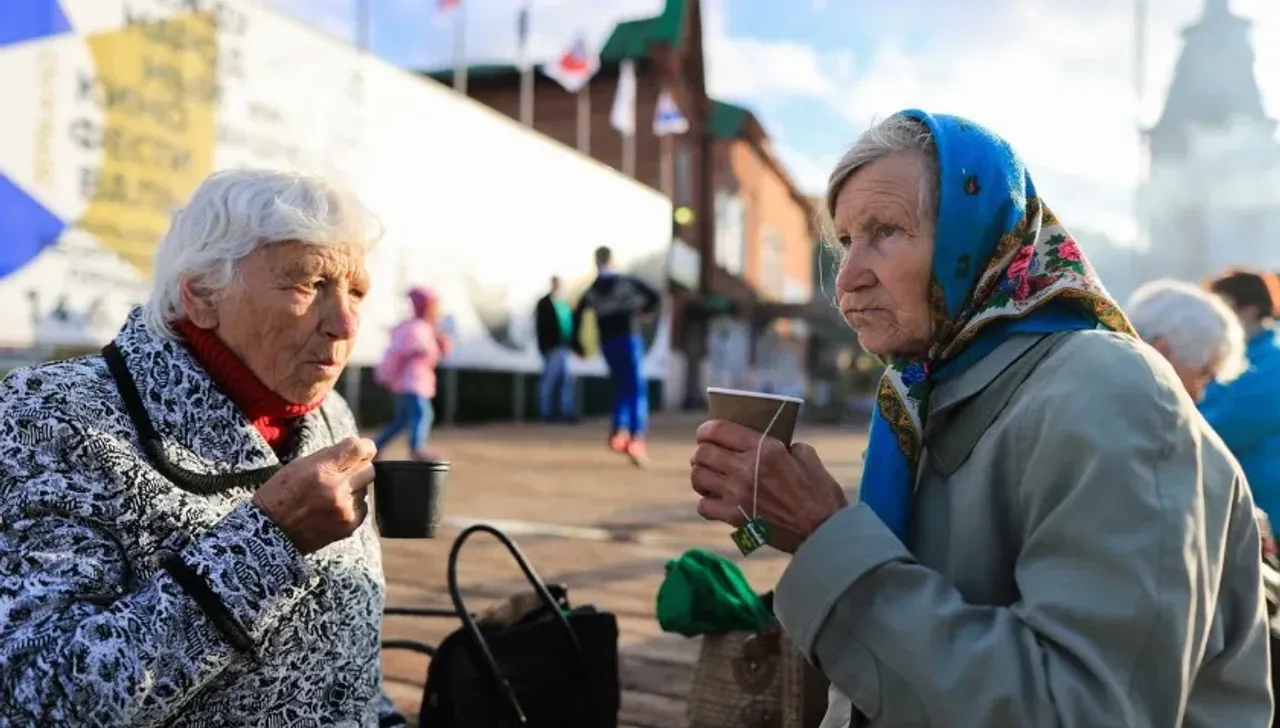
201	428
980	375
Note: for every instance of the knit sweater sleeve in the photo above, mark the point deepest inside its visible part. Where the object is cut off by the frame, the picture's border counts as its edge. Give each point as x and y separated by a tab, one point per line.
86	636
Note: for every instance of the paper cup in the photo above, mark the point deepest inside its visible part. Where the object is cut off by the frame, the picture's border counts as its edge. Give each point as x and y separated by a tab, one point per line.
756	410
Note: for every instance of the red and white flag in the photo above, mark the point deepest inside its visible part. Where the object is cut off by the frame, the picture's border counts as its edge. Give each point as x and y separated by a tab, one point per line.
575	67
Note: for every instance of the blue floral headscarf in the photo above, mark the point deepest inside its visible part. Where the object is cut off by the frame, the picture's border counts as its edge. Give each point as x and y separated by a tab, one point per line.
1002	265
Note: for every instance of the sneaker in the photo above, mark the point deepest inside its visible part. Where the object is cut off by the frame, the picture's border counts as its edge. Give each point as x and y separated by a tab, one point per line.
619	442
638	453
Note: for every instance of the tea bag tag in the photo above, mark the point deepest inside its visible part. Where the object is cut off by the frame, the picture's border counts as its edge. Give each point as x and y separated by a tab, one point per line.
752	536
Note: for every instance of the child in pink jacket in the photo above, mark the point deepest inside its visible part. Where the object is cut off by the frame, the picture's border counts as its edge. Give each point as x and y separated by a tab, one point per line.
408	370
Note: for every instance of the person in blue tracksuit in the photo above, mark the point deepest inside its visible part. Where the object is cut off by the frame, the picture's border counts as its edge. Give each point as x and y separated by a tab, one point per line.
620	303
1246	412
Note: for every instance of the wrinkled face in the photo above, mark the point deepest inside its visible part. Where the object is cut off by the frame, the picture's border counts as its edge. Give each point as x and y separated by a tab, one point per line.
1194	379
883	283
292	316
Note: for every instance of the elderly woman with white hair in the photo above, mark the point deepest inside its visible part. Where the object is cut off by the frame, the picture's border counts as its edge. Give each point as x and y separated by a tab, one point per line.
1195	330
1045	533
183	539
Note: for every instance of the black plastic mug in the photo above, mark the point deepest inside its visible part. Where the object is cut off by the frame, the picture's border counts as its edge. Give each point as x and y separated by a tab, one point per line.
406	497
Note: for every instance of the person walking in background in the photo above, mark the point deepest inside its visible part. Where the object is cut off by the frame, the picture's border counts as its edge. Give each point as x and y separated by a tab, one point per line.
554	322
1246	412
408	370
620	302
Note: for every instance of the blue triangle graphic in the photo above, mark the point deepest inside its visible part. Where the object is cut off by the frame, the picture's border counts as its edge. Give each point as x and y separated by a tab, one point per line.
26	227
24	20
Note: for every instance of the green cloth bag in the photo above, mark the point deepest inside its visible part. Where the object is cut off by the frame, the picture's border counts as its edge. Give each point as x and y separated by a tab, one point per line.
705	593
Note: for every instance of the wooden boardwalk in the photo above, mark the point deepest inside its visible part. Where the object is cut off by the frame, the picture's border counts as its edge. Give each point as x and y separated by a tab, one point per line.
585	518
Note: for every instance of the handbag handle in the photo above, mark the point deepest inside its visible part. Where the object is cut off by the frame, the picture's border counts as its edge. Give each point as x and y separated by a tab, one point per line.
469	622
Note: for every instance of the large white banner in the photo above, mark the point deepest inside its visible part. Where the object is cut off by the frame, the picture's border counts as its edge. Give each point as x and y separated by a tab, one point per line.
115	110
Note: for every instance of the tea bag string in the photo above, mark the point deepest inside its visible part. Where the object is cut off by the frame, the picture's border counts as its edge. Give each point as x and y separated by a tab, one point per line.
755	480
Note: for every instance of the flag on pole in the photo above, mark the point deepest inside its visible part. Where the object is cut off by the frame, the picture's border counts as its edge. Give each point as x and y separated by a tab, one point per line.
575	67
444	6
522	37
667	118
623	114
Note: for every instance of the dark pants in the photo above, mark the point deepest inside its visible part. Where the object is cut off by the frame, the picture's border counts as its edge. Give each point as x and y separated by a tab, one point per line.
624	355
415	414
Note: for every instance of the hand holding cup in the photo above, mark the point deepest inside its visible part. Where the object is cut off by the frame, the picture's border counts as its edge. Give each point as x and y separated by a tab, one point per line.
321	498
744	474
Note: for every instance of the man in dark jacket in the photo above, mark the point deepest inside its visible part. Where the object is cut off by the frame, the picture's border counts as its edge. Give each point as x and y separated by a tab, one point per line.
554	321
620	302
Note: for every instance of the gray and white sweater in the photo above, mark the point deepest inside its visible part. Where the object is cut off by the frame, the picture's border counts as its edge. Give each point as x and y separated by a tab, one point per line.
95	630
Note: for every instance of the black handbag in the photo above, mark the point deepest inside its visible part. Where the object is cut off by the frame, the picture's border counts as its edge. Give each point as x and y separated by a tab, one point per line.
556	667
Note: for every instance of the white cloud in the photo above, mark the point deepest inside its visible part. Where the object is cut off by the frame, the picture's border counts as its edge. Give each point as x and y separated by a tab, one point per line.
747	68
807	171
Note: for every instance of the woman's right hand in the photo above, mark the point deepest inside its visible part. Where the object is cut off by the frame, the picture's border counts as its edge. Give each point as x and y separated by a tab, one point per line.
321	498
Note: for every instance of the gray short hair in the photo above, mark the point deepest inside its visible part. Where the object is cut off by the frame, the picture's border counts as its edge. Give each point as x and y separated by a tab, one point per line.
1198	327
898	133
234	212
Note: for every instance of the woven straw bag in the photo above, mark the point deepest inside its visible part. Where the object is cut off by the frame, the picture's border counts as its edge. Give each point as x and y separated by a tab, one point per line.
754	680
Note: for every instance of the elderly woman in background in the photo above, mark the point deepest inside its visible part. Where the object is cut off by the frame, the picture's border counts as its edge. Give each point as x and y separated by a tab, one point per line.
1246	412
1201	338
183	538
1196	331
408	370
1045	534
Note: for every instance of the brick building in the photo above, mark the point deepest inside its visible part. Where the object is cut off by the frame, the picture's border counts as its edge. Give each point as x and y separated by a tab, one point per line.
747	232
764	237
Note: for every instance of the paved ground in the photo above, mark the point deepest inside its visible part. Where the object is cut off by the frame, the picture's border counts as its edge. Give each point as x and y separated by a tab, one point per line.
586	518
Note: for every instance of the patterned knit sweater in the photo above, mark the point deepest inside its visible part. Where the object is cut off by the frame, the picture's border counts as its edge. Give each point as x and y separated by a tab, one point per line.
95	630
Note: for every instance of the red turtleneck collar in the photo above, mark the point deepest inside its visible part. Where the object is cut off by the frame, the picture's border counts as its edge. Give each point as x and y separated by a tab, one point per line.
271	414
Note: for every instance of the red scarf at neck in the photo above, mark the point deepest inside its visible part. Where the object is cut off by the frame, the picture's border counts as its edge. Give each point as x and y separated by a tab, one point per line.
272	415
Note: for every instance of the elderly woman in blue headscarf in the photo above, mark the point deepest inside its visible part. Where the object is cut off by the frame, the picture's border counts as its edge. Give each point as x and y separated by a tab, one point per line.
1045	532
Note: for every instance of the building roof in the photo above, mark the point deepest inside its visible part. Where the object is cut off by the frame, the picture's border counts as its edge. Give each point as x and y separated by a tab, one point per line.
479	70
727	121
633	38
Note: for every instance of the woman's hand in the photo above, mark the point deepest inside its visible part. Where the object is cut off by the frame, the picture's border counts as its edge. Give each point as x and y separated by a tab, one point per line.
321	498
796	493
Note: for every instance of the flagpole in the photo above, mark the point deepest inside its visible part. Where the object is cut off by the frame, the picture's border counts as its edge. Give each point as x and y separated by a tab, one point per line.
460	48
363	26
628	71
666	173
629	154
584	118
526	68
1139	97
526	96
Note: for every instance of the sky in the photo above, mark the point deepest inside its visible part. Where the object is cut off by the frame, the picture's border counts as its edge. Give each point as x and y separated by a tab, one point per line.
1057	78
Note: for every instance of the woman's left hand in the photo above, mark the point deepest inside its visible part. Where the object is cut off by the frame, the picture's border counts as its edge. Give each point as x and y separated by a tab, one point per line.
796	493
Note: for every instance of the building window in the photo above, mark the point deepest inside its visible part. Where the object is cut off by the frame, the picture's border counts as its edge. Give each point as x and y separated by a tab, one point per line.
731	232
773	274
684	176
